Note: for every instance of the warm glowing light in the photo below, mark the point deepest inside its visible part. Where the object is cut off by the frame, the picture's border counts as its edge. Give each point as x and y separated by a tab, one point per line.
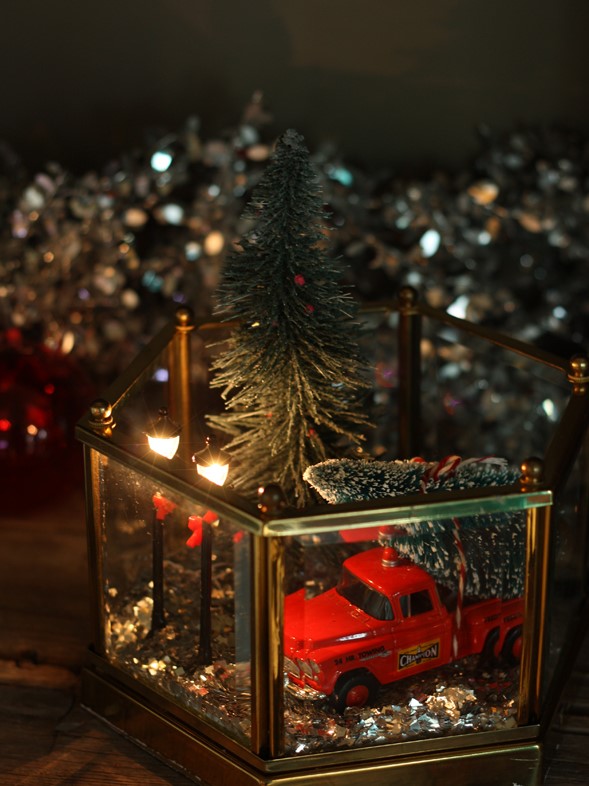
68	342
214	243
163	436
164	446
212	463
216	473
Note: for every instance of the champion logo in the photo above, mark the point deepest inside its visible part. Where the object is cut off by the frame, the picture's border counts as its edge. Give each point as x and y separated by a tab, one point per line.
418	654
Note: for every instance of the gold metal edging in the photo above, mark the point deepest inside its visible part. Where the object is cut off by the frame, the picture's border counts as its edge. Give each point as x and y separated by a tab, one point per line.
200	491
576	631
326	518
497	338
488	334
275	594
135	371
93	535
476	766
260	654
201	758
535	598
566	443
139	366
165	735
401	752
179	383
267	647
357	517
409	391
100	668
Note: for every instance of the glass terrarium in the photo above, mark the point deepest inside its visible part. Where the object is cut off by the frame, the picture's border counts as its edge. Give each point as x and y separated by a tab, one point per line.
370	639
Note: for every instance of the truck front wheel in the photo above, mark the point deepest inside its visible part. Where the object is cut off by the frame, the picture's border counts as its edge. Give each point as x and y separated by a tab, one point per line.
354	690
512	646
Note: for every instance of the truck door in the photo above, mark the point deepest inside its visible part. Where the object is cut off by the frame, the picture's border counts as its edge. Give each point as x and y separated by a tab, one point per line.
421	634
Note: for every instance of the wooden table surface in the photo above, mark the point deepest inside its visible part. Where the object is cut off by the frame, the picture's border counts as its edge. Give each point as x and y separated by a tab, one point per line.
47	739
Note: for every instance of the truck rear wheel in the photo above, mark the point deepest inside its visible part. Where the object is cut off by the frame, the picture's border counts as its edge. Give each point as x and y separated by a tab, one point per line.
354	690
512	646
488	655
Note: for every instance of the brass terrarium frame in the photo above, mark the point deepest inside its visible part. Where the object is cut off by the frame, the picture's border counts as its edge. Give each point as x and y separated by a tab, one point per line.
202	748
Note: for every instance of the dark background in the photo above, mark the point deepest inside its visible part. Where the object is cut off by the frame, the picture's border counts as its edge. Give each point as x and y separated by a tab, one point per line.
401	83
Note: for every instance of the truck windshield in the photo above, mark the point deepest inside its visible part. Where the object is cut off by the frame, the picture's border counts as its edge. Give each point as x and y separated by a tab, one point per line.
364	597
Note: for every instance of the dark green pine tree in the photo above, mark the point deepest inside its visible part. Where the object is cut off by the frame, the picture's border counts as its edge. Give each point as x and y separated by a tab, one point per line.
292	376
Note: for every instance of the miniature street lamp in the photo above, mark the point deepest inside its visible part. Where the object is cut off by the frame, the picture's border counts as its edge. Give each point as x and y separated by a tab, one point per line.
163	438
212	464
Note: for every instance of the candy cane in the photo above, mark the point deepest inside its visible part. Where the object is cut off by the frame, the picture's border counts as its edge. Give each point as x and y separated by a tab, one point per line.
444	469
461	582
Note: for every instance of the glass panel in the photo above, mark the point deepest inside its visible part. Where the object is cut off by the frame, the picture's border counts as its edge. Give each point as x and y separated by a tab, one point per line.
379	344
167	624
402	633
480	399
569	561
477	398
140	405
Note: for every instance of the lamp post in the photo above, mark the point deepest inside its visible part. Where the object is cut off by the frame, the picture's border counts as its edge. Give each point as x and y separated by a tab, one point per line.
213	465
163	438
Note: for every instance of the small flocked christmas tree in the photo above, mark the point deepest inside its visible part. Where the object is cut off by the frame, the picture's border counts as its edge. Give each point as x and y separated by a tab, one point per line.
474	556
292	374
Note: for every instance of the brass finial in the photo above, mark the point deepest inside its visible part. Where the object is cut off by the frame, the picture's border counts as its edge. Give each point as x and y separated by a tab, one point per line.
184	319
101	417
407	299
579	374
271	499
532	470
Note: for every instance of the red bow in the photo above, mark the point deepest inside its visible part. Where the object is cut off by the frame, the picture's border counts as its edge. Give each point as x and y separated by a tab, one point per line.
163	506
195	524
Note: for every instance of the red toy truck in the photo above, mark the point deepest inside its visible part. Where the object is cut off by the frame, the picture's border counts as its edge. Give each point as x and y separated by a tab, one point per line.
385	621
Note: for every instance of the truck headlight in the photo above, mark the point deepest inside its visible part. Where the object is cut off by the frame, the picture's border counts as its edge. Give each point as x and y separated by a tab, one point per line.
309	667
291	667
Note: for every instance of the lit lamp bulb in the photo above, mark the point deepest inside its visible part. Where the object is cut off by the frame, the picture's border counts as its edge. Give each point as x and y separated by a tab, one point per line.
212	463
164	435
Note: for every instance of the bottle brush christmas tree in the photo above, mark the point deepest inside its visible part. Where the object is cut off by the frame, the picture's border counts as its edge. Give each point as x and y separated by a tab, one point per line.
292	375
